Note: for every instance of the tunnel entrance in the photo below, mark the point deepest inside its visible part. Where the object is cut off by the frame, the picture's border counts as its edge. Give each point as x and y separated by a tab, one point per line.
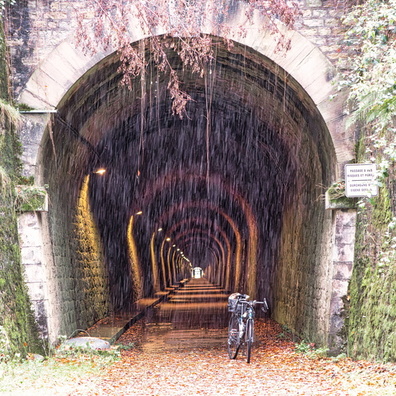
234	187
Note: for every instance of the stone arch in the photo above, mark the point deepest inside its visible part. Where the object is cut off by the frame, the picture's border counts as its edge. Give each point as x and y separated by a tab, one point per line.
304	62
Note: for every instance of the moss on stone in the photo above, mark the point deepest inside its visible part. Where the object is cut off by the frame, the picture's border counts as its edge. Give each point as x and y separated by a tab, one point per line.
30	198
336	199
371	310
16	317
18	329
3	65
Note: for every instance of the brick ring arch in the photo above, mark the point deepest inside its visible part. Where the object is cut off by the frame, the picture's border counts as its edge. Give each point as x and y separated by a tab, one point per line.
304	62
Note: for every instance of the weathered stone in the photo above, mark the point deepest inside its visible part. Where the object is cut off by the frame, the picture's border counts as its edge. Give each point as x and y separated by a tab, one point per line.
48	75
87	342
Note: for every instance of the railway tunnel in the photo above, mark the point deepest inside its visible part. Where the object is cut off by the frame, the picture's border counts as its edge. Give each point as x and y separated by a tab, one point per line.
235	186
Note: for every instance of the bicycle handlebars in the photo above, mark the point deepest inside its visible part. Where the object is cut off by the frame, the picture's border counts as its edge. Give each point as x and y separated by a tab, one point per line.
254	303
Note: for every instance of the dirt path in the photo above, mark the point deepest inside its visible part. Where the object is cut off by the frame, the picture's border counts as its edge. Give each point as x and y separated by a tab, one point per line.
179	349
276	369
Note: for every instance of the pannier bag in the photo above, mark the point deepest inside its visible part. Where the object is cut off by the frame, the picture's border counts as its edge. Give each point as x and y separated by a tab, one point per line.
233	301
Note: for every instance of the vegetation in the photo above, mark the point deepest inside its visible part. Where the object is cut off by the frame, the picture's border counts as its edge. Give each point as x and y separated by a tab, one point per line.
180	19
337	198
310	350
4	3
18	334
60	372
30	198
371	79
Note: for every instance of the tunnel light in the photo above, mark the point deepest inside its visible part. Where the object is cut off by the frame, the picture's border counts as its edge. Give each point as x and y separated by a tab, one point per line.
159	229
173	245
168	239
100	171
139	213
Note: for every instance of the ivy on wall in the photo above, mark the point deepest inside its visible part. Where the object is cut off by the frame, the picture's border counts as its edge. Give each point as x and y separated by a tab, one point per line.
30	198
372	293
370	77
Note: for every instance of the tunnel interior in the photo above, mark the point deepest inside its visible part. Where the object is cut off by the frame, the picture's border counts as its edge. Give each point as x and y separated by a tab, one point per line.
235	186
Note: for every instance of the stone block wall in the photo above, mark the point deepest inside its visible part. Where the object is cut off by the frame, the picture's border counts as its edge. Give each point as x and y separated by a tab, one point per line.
312	290
77	274
305	274
343	257
303	284
321	24
31	244
36	28
94	280
61	254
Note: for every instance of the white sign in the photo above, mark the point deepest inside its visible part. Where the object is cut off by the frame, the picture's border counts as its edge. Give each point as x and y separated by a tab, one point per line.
360	180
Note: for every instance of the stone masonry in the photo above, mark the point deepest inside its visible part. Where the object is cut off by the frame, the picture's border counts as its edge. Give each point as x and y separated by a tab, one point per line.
31	39
45	65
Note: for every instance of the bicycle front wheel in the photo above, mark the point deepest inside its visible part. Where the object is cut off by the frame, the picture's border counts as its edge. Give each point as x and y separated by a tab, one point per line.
249	338
234	341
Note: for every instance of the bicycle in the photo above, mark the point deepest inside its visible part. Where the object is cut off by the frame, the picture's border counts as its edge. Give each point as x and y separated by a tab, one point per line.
241	325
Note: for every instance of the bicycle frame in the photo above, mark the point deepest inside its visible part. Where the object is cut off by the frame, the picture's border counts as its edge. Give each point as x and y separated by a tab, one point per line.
241	327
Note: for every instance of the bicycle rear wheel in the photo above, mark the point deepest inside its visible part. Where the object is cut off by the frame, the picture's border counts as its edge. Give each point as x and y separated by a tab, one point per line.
249	338
234	341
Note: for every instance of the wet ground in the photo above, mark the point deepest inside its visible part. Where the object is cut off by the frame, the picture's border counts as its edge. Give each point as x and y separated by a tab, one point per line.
179	348
194	316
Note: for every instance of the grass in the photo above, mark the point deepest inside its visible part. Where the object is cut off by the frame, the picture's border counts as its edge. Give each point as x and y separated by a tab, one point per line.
310	350
9	112
61	373
5	179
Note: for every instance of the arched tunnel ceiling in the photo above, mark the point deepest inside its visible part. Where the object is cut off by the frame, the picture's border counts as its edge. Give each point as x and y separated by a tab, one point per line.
251	144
